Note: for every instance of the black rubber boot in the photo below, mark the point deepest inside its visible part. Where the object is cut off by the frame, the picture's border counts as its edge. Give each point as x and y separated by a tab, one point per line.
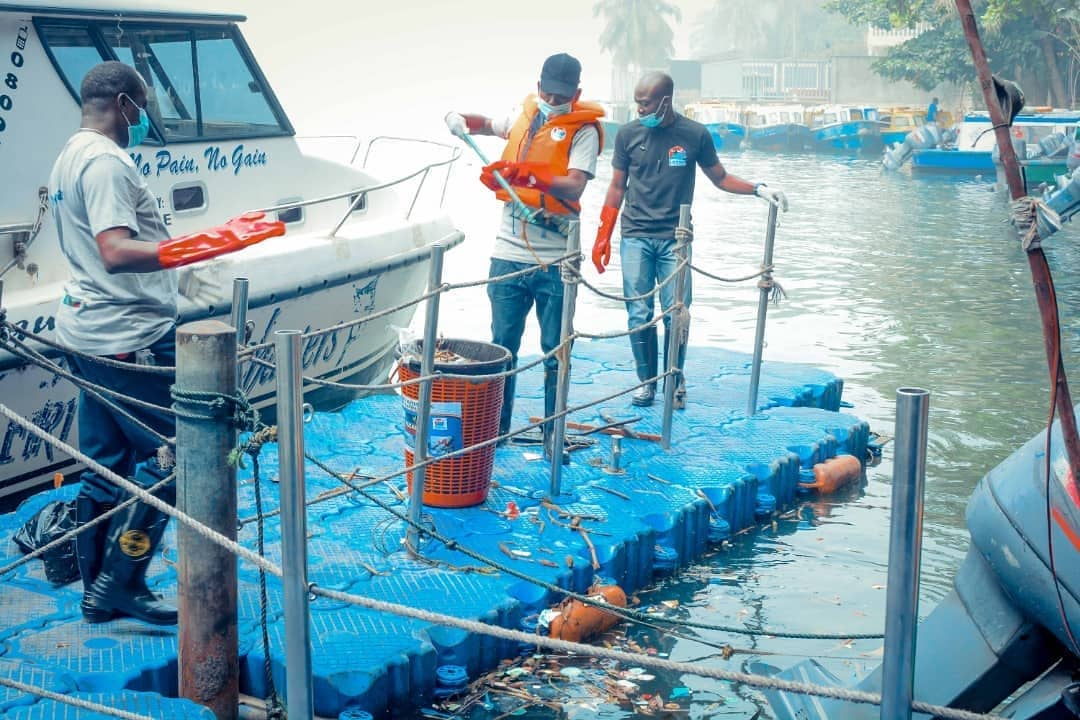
89	544
120	586
643	345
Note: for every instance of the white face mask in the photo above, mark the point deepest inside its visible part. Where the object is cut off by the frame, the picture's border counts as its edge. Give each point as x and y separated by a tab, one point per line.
549	111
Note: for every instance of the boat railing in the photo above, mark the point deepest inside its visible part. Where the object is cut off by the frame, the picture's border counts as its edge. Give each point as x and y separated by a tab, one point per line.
17	237
356	196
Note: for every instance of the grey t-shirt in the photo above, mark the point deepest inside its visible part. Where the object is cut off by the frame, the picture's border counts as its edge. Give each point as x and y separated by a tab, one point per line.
94	186
549	244
660	164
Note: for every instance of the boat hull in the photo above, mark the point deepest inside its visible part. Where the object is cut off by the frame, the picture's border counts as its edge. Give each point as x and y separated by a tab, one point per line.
850	136
952	162
1014	600
726	136
788	137
278	300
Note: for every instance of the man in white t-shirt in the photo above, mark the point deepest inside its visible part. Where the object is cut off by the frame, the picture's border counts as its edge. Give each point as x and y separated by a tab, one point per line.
120	304
550	155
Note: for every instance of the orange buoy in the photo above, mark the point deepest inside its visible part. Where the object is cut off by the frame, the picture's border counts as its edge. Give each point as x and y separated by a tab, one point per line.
834	473
576	620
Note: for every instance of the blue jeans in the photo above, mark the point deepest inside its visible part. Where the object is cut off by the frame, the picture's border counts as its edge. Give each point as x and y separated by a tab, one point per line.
511	301
112	439
645	263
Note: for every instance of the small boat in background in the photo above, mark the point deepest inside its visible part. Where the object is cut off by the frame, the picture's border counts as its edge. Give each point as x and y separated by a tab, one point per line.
723	121
973	153
616	114
777	128
845	128
901	120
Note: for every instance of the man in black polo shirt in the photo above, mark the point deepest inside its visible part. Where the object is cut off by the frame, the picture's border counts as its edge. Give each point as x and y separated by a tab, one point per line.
653	168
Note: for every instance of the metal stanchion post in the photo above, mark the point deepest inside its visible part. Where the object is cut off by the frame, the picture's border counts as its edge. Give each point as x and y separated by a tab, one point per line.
239	309
423	406
290	440
677	332
905	549
569	271
765	283
206	490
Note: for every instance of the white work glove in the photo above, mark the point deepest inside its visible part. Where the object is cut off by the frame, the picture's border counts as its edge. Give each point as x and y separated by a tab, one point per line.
456	123
771	195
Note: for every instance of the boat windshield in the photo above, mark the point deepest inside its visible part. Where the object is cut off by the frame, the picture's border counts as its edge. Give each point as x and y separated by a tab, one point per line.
203	83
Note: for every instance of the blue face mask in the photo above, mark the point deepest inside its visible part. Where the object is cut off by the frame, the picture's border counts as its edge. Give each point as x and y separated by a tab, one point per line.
549	111
137	132
653	119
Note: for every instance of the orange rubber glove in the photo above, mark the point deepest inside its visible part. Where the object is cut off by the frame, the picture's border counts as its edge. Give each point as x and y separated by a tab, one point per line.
533	175
507	169
235	234
601	249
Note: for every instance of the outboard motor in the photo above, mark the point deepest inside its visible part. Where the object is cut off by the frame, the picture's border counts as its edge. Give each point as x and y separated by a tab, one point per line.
1064	200
1053	145
926	136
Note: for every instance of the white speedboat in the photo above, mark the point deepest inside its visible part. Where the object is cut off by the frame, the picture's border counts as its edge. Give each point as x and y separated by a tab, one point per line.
220	145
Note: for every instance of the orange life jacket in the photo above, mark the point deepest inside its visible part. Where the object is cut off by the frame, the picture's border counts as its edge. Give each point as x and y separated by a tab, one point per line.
550	145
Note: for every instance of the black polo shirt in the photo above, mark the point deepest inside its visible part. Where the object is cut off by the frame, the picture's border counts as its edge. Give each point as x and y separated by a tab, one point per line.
660	164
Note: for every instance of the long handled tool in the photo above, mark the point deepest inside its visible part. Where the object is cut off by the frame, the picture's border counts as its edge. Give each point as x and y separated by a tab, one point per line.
527	212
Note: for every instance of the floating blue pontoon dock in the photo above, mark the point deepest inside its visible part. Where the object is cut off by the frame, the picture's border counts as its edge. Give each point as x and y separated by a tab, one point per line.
724	473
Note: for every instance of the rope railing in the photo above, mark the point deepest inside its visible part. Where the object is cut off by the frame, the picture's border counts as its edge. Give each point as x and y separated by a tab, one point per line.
570	273
98	392
752	680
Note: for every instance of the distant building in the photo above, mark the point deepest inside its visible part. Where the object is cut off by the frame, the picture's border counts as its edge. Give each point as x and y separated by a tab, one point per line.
878	41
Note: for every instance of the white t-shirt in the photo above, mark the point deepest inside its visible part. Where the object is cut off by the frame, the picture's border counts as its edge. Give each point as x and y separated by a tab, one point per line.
549	244
95	186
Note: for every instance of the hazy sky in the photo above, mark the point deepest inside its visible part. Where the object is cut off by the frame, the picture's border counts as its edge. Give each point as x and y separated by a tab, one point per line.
366	67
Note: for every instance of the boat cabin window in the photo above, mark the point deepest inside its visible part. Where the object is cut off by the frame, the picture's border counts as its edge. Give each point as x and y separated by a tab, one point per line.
202	83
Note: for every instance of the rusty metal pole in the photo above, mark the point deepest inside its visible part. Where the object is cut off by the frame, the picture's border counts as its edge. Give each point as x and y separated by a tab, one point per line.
206	490
1040	269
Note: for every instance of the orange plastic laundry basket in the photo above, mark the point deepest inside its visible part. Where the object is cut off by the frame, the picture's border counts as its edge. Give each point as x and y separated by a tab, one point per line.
463	413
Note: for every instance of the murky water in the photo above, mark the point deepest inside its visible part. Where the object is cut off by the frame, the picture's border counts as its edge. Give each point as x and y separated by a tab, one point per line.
892	281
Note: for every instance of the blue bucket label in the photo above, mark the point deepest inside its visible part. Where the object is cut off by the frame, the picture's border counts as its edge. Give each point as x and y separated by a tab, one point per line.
444	433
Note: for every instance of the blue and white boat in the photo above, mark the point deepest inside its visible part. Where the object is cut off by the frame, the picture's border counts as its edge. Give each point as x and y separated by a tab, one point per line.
777	128
723	121
220	144
973	153
845	128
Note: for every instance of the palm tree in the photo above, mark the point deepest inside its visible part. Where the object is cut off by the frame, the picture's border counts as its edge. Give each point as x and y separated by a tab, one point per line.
637	33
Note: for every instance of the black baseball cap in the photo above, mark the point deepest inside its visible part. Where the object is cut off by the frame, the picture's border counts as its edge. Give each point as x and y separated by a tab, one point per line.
561	75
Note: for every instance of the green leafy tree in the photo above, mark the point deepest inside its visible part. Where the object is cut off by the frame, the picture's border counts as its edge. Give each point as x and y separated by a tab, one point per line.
637	33
1033	41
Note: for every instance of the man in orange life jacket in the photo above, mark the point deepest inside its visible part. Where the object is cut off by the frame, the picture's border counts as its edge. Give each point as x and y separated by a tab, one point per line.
653	166
550	155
